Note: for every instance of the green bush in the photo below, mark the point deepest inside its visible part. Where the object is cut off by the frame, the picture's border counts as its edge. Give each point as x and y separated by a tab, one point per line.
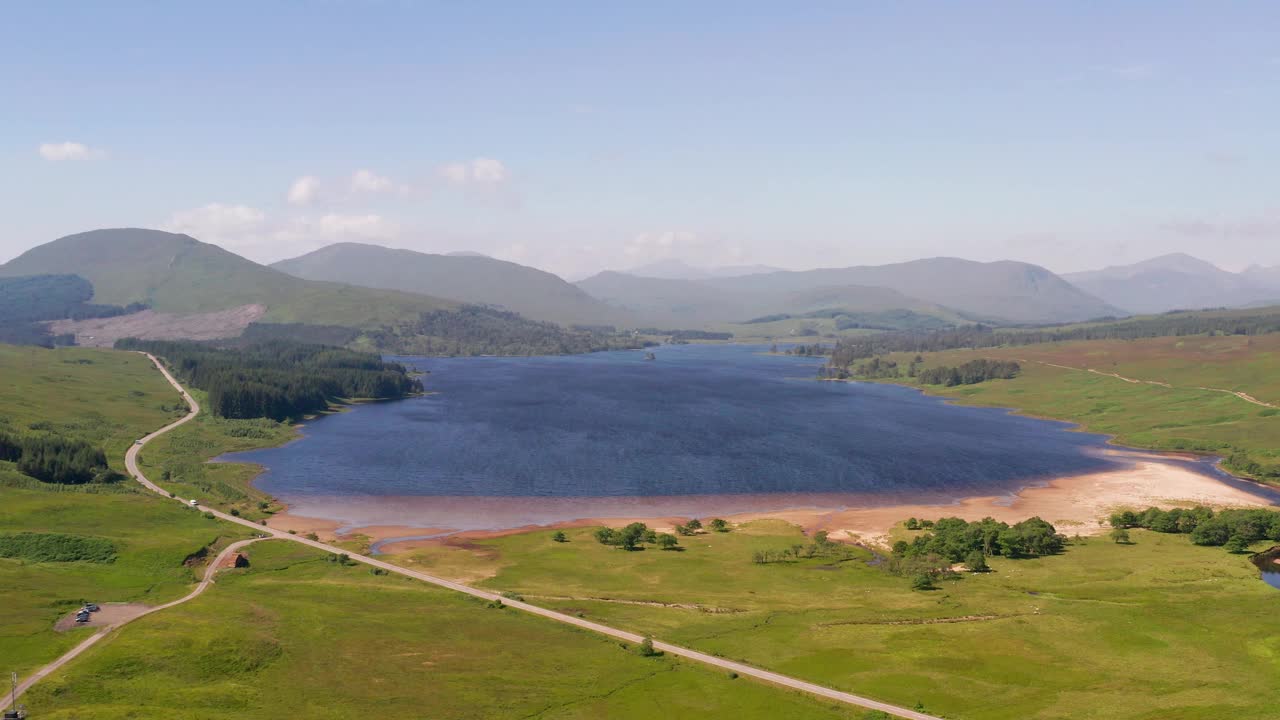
56	547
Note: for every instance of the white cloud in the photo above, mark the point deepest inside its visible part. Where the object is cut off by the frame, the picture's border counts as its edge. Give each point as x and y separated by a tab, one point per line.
369	181
304	190
217	222
685	245
251	232
352	227
478	172
67	151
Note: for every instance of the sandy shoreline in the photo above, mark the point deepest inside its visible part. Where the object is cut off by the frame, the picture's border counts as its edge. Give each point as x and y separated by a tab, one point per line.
1076	504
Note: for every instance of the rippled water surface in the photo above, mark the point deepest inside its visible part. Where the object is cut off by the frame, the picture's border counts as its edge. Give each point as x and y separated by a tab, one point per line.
697	421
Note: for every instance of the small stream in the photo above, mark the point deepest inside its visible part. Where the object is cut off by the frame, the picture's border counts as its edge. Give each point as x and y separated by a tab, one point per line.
1269	564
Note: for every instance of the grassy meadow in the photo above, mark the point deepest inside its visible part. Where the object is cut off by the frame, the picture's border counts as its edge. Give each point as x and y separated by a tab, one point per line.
1157	629
1180	417
178	461
324	640
110	398
106	397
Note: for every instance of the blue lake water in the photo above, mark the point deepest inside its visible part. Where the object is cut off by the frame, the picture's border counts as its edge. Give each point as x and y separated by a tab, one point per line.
699	422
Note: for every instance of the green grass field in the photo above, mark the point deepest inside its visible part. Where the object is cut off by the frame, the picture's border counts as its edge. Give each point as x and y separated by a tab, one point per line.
110	398
178	460
295	631
1157	629
322	640
1181	417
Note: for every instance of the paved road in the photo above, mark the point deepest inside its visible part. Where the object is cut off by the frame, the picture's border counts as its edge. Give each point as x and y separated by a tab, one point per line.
744	670
92	640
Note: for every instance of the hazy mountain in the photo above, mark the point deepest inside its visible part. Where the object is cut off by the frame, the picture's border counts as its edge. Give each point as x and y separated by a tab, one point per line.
1177	281
469	277
178	274
1005	291
680	270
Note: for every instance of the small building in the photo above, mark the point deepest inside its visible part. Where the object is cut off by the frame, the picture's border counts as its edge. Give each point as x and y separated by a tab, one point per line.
236	560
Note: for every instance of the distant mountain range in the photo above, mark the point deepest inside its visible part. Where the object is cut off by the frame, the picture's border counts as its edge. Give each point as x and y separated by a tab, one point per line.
1178	282
466	277
372	296
1003	292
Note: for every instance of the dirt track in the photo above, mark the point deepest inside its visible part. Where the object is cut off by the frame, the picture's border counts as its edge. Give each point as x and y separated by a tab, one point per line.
124	619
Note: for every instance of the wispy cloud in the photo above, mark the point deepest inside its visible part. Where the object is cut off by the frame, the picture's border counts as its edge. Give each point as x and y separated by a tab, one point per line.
304	190
252	232
478	172
57	152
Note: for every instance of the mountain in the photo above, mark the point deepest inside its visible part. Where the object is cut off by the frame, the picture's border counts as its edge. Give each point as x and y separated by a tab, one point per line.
1177	282
470	278
178	274
679	270
1010	292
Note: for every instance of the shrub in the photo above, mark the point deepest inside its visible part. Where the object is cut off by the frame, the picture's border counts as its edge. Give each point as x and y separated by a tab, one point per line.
646	648
56	547
923	581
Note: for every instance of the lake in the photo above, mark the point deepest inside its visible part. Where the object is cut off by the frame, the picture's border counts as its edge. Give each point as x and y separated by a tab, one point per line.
699	429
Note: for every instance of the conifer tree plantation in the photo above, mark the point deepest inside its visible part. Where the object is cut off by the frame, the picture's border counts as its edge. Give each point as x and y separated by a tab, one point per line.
278	379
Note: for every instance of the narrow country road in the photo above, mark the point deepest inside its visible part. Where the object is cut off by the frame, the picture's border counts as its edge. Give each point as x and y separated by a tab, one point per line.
93	639
131	463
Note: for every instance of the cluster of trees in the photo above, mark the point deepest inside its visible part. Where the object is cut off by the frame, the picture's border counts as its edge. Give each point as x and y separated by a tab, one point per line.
820	547
695	525
279	380
815	350
954	540
970	373
28	302
686	335
1240	461
1234	529
56	547
474	330
633	536
56	459
979	335
887	320
334	335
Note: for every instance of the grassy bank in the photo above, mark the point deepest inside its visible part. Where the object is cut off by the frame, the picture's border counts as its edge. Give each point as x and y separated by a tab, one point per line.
179	461
324	640
1160	628
1176	415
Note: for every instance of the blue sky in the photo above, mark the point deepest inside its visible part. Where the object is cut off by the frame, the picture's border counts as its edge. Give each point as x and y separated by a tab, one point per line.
580	136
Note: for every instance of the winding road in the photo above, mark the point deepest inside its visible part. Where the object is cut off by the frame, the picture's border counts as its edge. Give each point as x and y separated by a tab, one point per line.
93	639
742	669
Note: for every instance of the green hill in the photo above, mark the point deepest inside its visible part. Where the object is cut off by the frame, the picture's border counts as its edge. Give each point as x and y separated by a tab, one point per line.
468	278
178	274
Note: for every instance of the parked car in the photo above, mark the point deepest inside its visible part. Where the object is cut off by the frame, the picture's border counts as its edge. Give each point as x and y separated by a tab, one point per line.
194	503
92	607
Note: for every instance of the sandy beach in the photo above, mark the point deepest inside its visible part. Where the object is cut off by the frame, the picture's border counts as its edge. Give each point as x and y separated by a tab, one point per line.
1076	505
